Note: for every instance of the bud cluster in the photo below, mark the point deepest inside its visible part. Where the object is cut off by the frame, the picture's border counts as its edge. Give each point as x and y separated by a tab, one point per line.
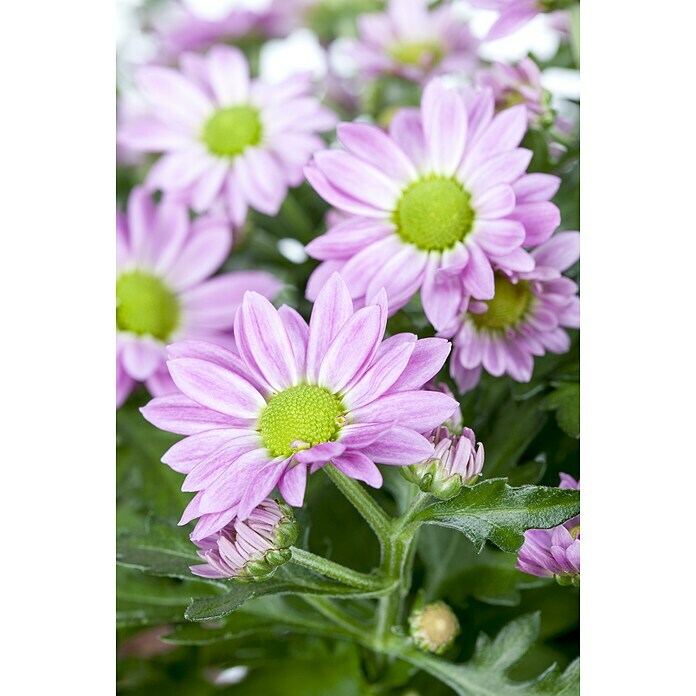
457	461
250	549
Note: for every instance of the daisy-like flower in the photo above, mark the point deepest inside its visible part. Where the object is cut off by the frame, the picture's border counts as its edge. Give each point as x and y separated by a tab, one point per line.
555	552
414	42
527	317
252	548
433	204
184	28
296	397
519	84
225	137
457	461
164	291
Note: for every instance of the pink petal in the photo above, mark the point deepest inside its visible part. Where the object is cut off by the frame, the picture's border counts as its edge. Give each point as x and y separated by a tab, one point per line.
331	311
292	485
444	125
217	388
399	447
419	410
359	467
177	413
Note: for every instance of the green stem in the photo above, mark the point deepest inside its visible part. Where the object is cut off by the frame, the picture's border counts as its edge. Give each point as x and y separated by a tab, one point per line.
363	503
329	609
347	576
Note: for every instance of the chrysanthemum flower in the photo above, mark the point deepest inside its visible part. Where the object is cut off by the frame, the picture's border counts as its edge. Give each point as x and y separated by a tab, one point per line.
554	552
527	317
513	14
433	204
457	461
183	28
226	137
297	396
252	548
519	84
412	41
164	291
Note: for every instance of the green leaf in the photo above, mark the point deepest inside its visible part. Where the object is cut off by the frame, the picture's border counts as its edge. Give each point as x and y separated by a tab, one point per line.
288	579
494	511
565	401
266	615
485	673
163	549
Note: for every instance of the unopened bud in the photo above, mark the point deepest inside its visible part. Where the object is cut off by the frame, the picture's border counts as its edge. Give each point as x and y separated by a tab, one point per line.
251	549
434	627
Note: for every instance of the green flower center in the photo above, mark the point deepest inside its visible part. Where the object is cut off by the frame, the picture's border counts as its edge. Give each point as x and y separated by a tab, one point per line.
434	214
145	305
508	307
305	414
230	131
414	53
575	531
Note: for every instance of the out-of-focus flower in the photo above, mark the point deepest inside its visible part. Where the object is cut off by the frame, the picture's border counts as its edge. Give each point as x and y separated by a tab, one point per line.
554	552
226	137
519	84
527	317
457	461
252	548
296	397
433	627
433	205
185	27
514	14
164	291
412	41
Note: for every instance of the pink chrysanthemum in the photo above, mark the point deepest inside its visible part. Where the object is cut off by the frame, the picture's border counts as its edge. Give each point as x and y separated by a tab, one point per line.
415	42
554	552
297	396
513	14
226	137
519	84
433	205
527	316
252	548
182	28
164	291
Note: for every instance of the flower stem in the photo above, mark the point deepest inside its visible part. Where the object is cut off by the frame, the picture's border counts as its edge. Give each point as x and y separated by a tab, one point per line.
328	608
363	503
347	576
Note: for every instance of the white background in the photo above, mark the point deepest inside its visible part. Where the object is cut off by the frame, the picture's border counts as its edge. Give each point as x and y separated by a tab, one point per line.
56	349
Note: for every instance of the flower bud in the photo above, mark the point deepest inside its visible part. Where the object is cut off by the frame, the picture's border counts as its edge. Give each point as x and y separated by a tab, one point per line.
251	549
433	627
456	462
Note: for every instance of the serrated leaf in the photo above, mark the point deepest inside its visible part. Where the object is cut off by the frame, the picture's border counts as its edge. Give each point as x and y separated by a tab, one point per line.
494	511
288	579
565	401
163	549
485	674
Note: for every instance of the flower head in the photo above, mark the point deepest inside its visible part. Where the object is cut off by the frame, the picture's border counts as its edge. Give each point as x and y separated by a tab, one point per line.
226	138
411	40
433	627
164	289
527	317
295	398
554	552
456	461
252	548
432	205
519	84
